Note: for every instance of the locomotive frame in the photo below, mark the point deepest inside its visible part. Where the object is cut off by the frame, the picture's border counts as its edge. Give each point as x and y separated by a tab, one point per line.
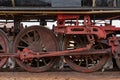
85	47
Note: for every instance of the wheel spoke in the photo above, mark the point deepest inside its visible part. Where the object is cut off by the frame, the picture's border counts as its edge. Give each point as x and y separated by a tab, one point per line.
25	41
80	62
21	47
86	61
29	38
92	60
28	35
36	35
38	63
44	61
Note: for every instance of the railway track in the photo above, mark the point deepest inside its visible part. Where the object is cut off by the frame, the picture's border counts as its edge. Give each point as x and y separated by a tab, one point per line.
60	75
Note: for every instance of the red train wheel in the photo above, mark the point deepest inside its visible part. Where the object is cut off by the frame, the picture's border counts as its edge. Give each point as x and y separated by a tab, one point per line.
84	63
4	47
37	39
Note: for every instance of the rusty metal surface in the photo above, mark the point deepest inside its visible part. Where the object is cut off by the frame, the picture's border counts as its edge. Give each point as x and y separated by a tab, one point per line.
84	63
87	27
38	39
35	48
29	54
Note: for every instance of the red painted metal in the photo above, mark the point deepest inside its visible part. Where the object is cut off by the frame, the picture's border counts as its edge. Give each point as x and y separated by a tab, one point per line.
112	42
87	21
61	19
87	28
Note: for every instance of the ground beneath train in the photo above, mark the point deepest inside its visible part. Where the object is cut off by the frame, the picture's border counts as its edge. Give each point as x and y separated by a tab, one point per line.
60	75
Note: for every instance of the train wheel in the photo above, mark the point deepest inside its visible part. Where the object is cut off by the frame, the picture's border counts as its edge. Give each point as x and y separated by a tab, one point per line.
37	39
84	63
4	47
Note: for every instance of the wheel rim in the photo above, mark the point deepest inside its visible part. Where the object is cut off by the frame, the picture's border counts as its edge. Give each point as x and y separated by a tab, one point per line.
4	47
37	39
84	63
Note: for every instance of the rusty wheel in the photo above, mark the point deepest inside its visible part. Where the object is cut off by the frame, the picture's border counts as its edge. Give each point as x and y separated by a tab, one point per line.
83	63
4	47
37	39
